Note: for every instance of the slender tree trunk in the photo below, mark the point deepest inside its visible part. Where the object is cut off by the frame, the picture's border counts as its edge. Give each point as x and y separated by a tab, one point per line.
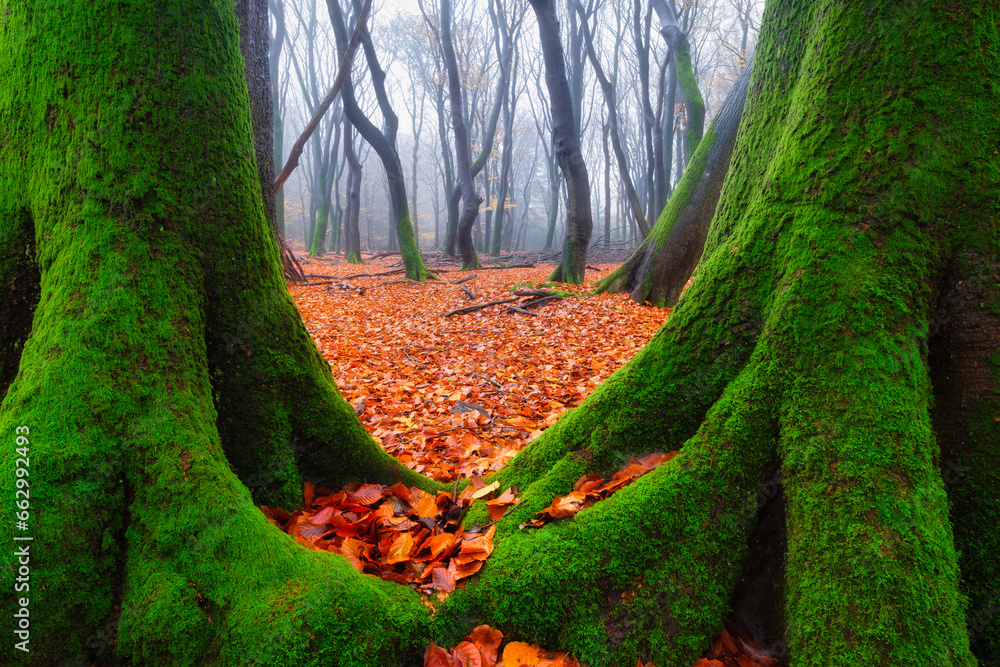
566	145
681	53
470	198
326	178
661	178
384	144
278	128
417	130
352	219
611	101
607	186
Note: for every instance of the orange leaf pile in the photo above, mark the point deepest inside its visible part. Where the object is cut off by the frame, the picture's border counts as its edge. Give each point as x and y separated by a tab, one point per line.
732	648
479	649
452	397
398	533
590	489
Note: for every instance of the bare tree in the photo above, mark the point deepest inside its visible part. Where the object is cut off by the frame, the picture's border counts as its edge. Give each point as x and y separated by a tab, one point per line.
608	88
566	144
384	143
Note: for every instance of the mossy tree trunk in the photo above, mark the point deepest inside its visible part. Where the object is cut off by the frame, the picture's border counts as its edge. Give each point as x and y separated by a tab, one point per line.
166	383
680	52
660	267
850	284
165	356
325	179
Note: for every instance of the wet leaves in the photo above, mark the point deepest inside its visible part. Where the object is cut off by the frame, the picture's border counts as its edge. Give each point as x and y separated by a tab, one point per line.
731	648
398	533
735	648
590	489
481	648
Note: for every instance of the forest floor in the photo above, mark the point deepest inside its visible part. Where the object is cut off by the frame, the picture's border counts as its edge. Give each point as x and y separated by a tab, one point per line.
456	395
453	396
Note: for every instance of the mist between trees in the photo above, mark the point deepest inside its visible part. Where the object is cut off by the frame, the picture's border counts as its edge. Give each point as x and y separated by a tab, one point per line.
506	110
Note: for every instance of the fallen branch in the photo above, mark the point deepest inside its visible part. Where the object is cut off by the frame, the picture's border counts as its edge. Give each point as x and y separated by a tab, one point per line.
492	268
397	282
539	301
518	309
469	309
414	360
373	275
532	292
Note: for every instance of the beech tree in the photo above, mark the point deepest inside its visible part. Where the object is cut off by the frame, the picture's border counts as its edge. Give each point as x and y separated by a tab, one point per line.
566	147
382	141
836	353
660	267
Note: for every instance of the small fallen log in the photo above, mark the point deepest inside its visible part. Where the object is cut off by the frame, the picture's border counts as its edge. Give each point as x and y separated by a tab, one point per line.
469	309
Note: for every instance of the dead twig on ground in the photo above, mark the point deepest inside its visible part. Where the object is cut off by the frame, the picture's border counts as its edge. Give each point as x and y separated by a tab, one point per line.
469	309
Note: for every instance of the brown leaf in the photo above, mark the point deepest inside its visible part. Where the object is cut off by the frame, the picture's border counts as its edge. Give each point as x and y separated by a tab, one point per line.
488	640
442	579
467	654
400	549
435	656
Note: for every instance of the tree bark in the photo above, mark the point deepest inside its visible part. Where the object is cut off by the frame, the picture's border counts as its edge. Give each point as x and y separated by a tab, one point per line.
352	218
277	128
566	145
168	383
470	198
837	358
681	54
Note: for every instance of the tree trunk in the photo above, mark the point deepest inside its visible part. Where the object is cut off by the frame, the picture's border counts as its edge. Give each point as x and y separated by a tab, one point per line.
566	145
470	198
658	270
681	53
168	383
850	283
384	144
327	175
352	219
610	99
277	128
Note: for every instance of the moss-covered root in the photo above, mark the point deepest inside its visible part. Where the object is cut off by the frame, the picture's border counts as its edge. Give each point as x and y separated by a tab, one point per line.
413	261
209	580
645	573
872	574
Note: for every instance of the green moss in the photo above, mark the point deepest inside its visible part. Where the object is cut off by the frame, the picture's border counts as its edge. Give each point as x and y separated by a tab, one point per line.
692	96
